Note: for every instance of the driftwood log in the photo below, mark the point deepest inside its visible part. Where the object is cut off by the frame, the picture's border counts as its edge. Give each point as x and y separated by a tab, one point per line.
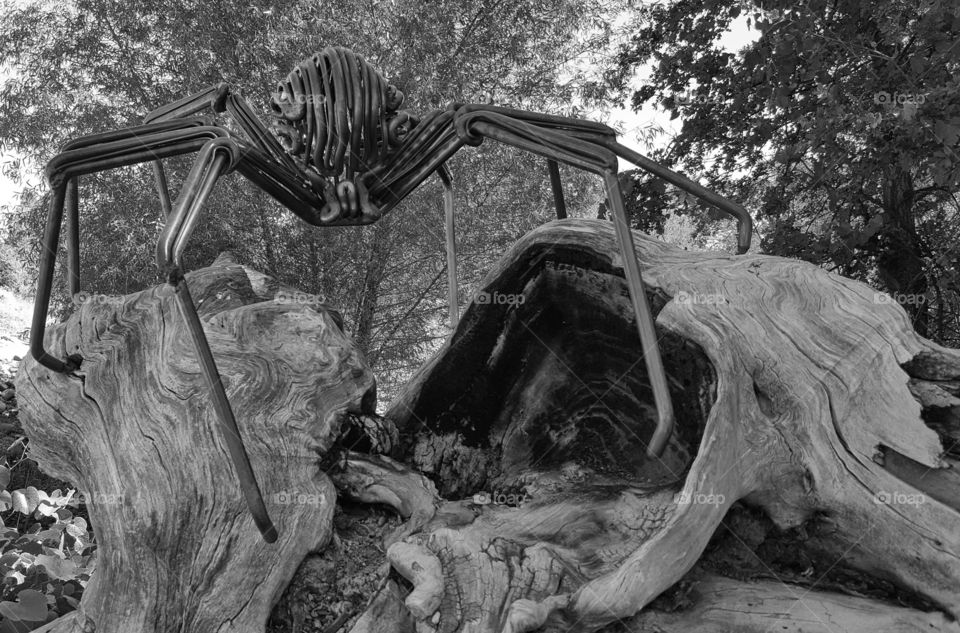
517	455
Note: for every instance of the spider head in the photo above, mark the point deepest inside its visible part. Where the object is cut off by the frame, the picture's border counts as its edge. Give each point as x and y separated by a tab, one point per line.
289	110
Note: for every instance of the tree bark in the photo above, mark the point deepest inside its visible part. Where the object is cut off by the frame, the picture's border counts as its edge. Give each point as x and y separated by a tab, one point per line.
793	390
517	457
134	429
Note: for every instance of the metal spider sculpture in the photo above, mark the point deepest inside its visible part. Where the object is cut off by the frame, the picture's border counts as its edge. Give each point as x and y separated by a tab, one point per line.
341	152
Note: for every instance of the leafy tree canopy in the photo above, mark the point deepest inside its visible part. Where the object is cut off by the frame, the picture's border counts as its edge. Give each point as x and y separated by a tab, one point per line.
844	117
94	65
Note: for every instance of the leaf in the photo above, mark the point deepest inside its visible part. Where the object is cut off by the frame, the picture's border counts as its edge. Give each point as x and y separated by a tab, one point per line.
31	606
57	567
19	502
4	476
917	64
26	500
948	134
31	547
871	229
46	509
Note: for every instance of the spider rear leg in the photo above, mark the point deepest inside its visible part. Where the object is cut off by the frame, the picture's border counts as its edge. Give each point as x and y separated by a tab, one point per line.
557	186
72	199
451	244
572	149
606	137
744	221
86	155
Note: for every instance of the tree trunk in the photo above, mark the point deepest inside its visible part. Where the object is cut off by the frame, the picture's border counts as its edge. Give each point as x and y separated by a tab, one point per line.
793	395
136	432
900	262
517	455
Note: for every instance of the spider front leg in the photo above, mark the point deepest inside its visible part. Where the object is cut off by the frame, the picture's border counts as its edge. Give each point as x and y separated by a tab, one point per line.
86	155
219	98
214	160
126	147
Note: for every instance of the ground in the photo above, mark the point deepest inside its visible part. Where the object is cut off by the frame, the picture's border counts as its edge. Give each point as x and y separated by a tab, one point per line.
332	588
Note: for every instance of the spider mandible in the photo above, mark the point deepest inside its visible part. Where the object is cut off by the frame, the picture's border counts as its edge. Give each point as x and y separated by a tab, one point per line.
341	152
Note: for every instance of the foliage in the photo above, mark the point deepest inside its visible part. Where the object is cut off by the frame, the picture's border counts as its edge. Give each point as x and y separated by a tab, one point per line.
843	118
46	563
94	65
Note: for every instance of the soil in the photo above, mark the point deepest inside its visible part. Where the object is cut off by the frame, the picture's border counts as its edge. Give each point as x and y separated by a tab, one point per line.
332	588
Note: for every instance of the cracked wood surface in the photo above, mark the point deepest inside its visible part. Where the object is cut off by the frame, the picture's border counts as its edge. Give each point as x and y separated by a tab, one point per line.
812	401
135	430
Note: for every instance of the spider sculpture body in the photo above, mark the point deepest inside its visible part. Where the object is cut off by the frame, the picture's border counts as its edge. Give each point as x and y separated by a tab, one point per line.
341	152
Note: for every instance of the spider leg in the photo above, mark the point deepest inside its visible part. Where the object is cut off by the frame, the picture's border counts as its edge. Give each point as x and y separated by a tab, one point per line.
72	199
451	239
87	155
239	110
607	137
216	158
554	170
127	147
744	221
559	146
219	98
186	107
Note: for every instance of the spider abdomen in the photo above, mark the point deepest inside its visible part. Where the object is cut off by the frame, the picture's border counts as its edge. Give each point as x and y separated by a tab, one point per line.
335	113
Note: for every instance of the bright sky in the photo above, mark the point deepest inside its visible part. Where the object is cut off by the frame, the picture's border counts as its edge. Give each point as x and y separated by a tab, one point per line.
630	123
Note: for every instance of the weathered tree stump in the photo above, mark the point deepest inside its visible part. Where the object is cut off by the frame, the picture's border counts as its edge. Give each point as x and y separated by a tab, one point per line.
135	430
793	389
517	455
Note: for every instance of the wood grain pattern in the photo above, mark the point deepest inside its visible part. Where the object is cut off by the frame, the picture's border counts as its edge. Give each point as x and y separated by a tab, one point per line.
134	429
808	388
517	454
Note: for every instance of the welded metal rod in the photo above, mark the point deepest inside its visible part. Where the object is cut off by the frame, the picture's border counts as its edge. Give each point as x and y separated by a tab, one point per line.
228	424
451	242
557	186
